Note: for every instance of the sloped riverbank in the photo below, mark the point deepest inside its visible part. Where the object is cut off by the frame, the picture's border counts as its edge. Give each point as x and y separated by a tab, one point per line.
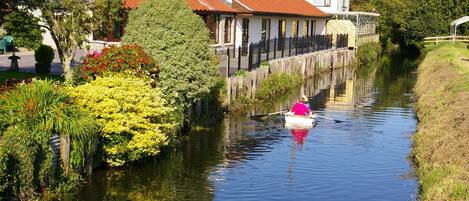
441	145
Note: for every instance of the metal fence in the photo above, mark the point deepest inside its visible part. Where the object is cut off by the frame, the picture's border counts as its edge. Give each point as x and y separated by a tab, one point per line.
252	56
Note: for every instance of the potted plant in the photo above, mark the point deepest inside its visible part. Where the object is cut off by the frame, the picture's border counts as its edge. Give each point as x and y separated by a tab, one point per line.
44	56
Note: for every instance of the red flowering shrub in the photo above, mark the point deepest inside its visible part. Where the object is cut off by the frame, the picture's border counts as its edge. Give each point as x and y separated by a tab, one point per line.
129	59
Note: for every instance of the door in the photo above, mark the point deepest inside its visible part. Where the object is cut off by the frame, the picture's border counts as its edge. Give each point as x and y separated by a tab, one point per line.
245	37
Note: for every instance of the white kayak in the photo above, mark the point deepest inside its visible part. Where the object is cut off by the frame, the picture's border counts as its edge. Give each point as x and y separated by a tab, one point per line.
295	121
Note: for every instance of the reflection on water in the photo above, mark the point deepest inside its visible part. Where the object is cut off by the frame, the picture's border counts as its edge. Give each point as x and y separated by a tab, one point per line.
363	158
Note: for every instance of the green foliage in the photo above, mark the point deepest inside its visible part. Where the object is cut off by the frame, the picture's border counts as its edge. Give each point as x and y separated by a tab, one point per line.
134	118
265	64
44	54
407	22
30	115
368	54
24	28
241	73
71	26
178	41
278	85
129	59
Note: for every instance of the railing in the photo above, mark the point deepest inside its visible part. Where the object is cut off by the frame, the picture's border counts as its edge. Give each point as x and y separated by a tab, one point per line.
442	39
251	57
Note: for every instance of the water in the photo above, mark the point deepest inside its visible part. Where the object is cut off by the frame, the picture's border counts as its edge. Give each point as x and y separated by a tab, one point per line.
363	158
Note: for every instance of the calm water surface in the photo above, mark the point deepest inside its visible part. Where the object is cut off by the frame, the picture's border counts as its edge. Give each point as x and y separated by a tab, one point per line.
364	158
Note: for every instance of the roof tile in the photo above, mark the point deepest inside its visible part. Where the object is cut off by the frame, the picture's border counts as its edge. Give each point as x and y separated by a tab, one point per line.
196	5
289	7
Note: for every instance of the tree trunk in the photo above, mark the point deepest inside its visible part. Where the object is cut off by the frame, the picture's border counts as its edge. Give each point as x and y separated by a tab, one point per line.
66	63
65	152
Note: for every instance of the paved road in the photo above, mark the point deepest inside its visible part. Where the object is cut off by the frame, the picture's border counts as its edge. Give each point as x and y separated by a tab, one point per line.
27	61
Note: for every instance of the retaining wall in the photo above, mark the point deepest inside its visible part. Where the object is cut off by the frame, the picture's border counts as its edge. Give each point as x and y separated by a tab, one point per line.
307	64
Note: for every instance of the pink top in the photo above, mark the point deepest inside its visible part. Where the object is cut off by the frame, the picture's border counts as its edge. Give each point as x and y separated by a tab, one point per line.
300	109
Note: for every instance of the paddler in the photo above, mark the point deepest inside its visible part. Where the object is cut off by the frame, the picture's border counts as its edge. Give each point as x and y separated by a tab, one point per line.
301	107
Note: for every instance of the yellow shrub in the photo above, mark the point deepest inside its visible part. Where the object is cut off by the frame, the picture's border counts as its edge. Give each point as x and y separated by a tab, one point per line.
134	118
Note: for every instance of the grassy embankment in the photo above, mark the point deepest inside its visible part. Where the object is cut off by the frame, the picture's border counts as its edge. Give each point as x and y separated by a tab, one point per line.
441	145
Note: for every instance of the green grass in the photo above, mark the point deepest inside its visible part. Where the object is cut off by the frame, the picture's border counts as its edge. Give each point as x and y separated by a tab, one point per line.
4	75
441	145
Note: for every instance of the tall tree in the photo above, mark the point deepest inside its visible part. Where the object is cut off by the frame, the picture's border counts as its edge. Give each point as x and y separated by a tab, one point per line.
69	22
178	41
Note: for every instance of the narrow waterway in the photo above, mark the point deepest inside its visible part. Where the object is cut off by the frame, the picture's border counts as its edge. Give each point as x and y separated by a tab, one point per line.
363	158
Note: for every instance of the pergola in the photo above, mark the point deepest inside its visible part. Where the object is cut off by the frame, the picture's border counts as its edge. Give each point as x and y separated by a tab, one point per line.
458	22
365	22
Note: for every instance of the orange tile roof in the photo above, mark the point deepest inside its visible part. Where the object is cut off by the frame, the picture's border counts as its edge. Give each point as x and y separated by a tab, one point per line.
288	7
196	5
131	3
210	5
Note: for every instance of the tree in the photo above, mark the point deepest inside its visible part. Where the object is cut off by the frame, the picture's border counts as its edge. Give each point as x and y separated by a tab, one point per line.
178	41
69	23
24	29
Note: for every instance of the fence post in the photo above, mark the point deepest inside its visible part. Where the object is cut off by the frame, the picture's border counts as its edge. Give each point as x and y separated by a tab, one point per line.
259	56
250	57
229	61
296	46
275	47
239	57
268	50
289	49
283	45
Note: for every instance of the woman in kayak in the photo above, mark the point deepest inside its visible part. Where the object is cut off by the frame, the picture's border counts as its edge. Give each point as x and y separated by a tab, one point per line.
301	107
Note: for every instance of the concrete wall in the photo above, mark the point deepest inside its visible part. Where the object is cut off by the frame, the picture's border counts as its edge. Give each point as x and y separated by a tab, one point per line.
255	26
308	65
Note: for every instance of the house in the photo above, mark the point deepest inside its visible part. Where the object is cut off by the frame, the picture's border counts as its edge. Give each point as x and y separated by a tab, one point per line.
361	27
263	20
238	23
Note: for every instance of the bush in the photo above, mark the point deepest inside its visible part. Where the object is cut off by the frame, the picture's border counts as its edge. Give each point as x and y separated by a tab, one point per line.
29	116
241	73
129	59
134	118
278	85
368	54
44	56
178	41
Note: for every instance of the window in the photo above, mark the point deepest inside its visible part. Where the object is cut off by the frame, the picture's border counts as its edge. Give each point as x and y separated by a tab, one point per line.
215	28
322	3
294	29
313	27
228	29
265	31
305	28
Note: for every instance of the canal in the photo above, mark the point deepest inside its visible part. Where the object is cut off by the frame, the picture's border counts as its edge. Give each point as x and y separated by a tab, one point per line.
362	158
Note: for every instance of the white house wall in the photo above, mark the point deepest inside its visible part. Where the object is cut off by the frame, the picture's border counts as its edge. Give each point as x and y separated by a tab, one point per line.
255	26
335	6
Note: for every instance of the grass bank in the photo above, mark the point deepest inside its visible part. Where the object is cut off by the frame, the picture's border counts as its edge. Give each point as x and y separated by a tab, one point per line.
441	145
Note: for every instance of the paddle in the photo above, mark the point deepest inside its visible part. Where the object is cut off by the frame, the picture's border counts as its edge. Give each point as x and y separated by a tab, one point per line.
331	119
270	114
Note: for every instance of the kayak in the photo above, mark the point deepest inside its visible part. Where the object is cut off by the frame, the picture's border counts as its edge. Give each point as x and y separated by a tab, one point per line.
295	121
